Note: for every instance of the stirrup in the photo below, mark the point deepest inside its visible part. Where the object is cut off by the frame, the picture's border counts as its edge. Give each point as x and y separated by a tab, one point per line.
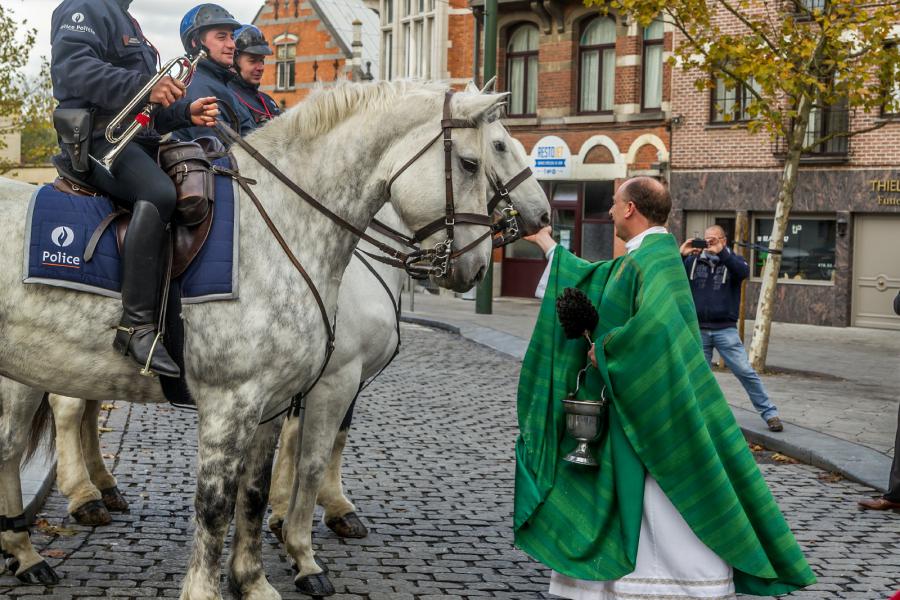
145	370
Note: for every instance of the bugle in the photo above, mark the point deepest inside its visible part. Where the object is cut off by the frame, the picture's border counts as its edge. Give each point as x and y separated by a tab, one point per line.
186	66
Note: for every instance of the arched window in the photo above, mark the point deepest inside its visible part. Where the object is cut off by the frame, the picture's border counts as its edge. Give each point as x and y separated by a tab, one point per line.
652	59
522	70
597	80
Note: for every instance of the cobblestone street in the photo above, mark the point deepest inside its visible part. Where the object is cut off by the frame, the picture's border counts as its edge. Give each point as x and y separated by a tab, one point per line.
430	468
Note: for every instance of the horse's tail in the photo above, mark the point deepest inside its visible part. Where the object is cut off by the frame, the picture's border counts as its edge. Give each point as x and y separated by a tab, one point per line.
42	427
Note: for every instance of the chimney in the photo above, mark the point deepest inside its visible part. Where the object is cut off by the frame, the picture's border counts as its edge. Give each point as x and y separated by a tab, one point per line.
356	72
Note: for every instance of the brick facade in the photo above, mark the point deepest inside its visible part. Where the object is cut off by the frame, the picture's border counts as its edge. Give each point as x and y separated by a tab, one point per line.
722	171
320	57
604	147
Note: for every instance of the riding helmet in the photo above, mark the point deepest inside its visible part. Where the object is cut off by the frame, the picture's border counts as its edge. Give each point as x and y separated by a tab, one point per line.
250	40
202	17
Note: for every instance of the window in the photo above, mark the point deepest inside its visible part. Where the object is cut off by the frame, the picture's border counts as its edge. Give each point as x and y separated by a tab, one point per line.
804	6
892	83
387	55
522	70
825	121
652	60
598	66
284	60
597	231
730	104
808	253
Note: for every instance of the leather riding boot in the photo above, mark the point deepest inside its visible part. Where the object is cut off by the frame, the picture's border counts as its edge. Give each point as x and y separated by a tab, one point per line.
143	267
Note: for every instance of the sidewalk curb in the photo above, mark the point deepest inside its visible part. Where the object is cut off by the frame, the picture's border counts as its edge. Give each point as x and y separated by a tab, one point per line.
38	477
853	461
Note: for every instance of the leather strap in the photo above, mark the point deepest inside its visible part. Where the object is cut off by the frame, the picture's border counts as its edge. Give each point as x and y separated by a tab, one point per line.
15	524
397	308
262	160
98	232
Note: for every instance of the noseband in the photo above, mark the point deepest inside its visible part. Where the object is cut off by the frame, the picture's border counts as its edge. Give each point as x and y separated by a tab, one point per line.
439	259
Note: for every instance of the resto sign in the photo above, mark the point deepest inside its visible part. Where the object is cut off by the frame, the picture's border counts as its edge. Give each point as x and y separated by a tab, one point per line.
551	158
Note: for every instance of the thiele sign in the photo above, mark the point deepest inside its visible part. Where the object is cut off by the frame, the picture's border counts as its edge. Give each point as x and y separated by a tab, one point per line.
888	191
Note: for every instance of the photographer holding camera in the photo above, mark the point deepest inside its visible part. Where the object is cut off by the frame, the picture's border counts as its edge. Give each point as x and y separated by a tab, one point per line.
715	275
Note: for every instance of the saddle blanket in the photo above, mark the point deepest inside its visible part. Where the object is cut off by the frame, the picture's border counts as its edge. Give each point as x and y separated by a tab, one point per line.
59	226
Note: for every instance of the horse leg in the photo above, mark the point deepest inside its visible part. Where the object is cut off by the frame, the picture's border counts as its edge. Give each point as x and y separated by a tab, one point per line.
283	476
19	426
247	577
100	475
227	425
72	476
340	514
326	406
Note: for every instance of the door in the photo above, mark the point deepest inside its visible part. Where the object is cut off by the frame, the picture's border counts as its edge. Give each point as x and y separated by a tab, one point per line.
876	271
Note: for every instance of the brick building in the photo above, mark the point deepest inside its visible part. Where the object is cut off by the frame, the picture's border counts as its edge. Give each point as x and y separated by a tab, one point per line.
313	42
427	39
840	264
590	105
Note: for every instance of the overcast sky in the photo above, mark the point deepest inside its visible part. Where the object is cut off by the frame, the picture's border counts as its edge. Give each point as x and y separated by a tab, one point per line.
158	18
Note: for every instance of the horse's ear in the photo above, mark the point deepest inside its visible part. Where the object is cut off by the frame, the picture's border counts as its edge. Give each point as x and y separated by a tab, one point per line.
480	107
471	88
490	87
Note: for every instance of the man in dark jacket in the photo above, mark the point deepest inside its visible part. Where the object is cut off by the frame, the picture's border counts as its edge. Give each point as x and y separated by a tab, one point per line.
100	60
251	50
212	27
891	499
715	274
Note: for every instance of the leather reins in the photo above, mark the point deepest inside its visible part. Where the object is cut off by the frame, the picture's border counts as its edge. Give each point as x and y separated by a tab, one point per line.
440	256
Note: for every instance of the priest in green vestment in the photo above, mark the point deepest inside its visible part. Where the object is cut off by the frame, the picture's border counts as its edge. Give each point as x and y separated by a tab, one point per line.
668	424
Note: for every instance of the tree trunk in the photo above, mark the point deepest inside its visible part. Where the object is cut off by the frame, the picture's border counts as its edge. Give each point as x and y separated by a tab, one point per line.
766	305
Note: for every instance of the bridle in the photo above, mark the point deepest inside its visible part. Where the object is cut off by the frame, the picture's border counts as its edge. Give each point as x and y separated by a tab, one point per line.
438	260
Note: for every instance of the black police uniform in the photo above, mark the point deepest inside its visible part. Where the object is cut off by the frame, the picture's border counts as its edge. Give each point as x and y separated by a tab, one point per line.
211	79
259	106
100	59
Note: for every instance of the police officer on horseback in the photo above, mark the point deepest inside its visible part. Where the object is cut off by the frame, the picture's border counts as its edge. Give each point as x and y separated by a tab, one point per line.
100	60
211	27
251	50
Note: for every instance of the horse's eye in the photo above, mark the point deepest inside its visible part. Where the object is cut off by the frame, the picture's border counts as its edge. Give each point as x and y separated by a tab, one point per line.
499	146
469	164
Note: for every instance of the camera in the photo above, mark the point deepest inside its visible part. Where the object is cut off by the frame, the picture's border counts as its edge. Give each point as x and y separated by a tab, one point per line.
698	243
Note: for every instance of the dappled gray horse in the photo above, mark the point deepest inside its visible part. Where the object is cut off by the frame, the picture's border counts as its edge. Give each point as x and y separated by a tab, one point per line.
367	308
244	357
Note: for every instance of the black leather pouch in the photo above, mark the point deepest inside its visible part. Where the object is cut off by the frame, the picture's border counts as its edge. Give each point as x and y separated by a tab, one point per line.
74	127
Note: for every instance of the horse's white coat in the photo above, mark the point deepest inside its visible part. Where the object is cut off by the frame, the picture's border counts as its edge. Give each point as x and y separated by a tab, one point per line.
245	357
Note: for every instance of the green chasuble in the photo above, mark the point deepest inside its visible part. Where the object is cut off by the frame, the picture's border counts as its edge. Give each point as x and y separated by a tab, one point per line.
667	418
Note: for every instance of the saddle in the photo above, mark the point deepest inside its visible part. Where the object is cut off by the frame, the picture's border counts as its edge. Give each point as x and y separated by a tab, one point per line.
188	165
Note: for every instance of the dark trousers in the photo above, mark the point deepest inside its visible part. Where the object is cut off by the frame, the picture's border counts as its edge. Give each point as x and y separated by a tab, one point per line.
136	176
893	493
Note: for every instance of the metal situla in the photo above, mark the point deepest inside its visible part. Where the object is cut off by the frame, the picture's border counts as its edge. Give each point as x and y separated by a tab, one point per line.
186	65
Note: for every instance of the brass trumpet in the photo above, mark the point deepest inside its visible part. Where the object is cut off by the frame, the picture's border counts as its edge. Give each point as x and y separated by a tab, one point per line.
186	66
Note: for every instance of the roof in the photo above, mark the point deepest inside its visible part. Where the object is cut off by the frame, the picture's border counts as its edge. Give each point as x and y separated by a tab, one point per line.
338	17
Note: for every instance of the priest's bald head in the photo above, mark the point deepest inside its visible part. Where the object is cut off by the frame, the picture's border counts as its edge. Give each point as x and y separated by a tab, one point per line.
639	204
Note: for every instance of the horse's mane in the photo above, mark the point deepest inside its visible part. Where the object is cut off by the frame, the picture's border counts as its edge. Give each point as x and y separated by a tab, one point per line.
326	107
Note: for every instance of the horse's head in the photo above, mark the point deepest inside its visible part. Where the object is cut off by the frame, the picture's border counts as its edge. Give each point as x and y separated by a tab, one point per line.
440	191
513	182
514	189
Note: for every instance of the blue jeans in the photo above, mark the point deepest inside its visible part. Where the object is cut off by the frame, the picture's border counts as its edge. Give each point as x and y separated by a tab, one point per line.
728	343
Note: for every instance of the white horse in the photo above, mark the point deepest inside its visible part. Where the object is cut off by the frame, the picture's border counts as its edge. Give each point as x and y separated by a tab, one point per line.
245	357
367	309
366	341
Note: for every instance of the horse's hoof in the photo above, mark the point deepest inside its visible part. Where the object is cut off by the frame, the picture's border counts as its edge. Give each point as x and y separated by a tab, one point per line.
277	528
92	513
314	585
12	563
348	526
39	574
319	563
114	500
